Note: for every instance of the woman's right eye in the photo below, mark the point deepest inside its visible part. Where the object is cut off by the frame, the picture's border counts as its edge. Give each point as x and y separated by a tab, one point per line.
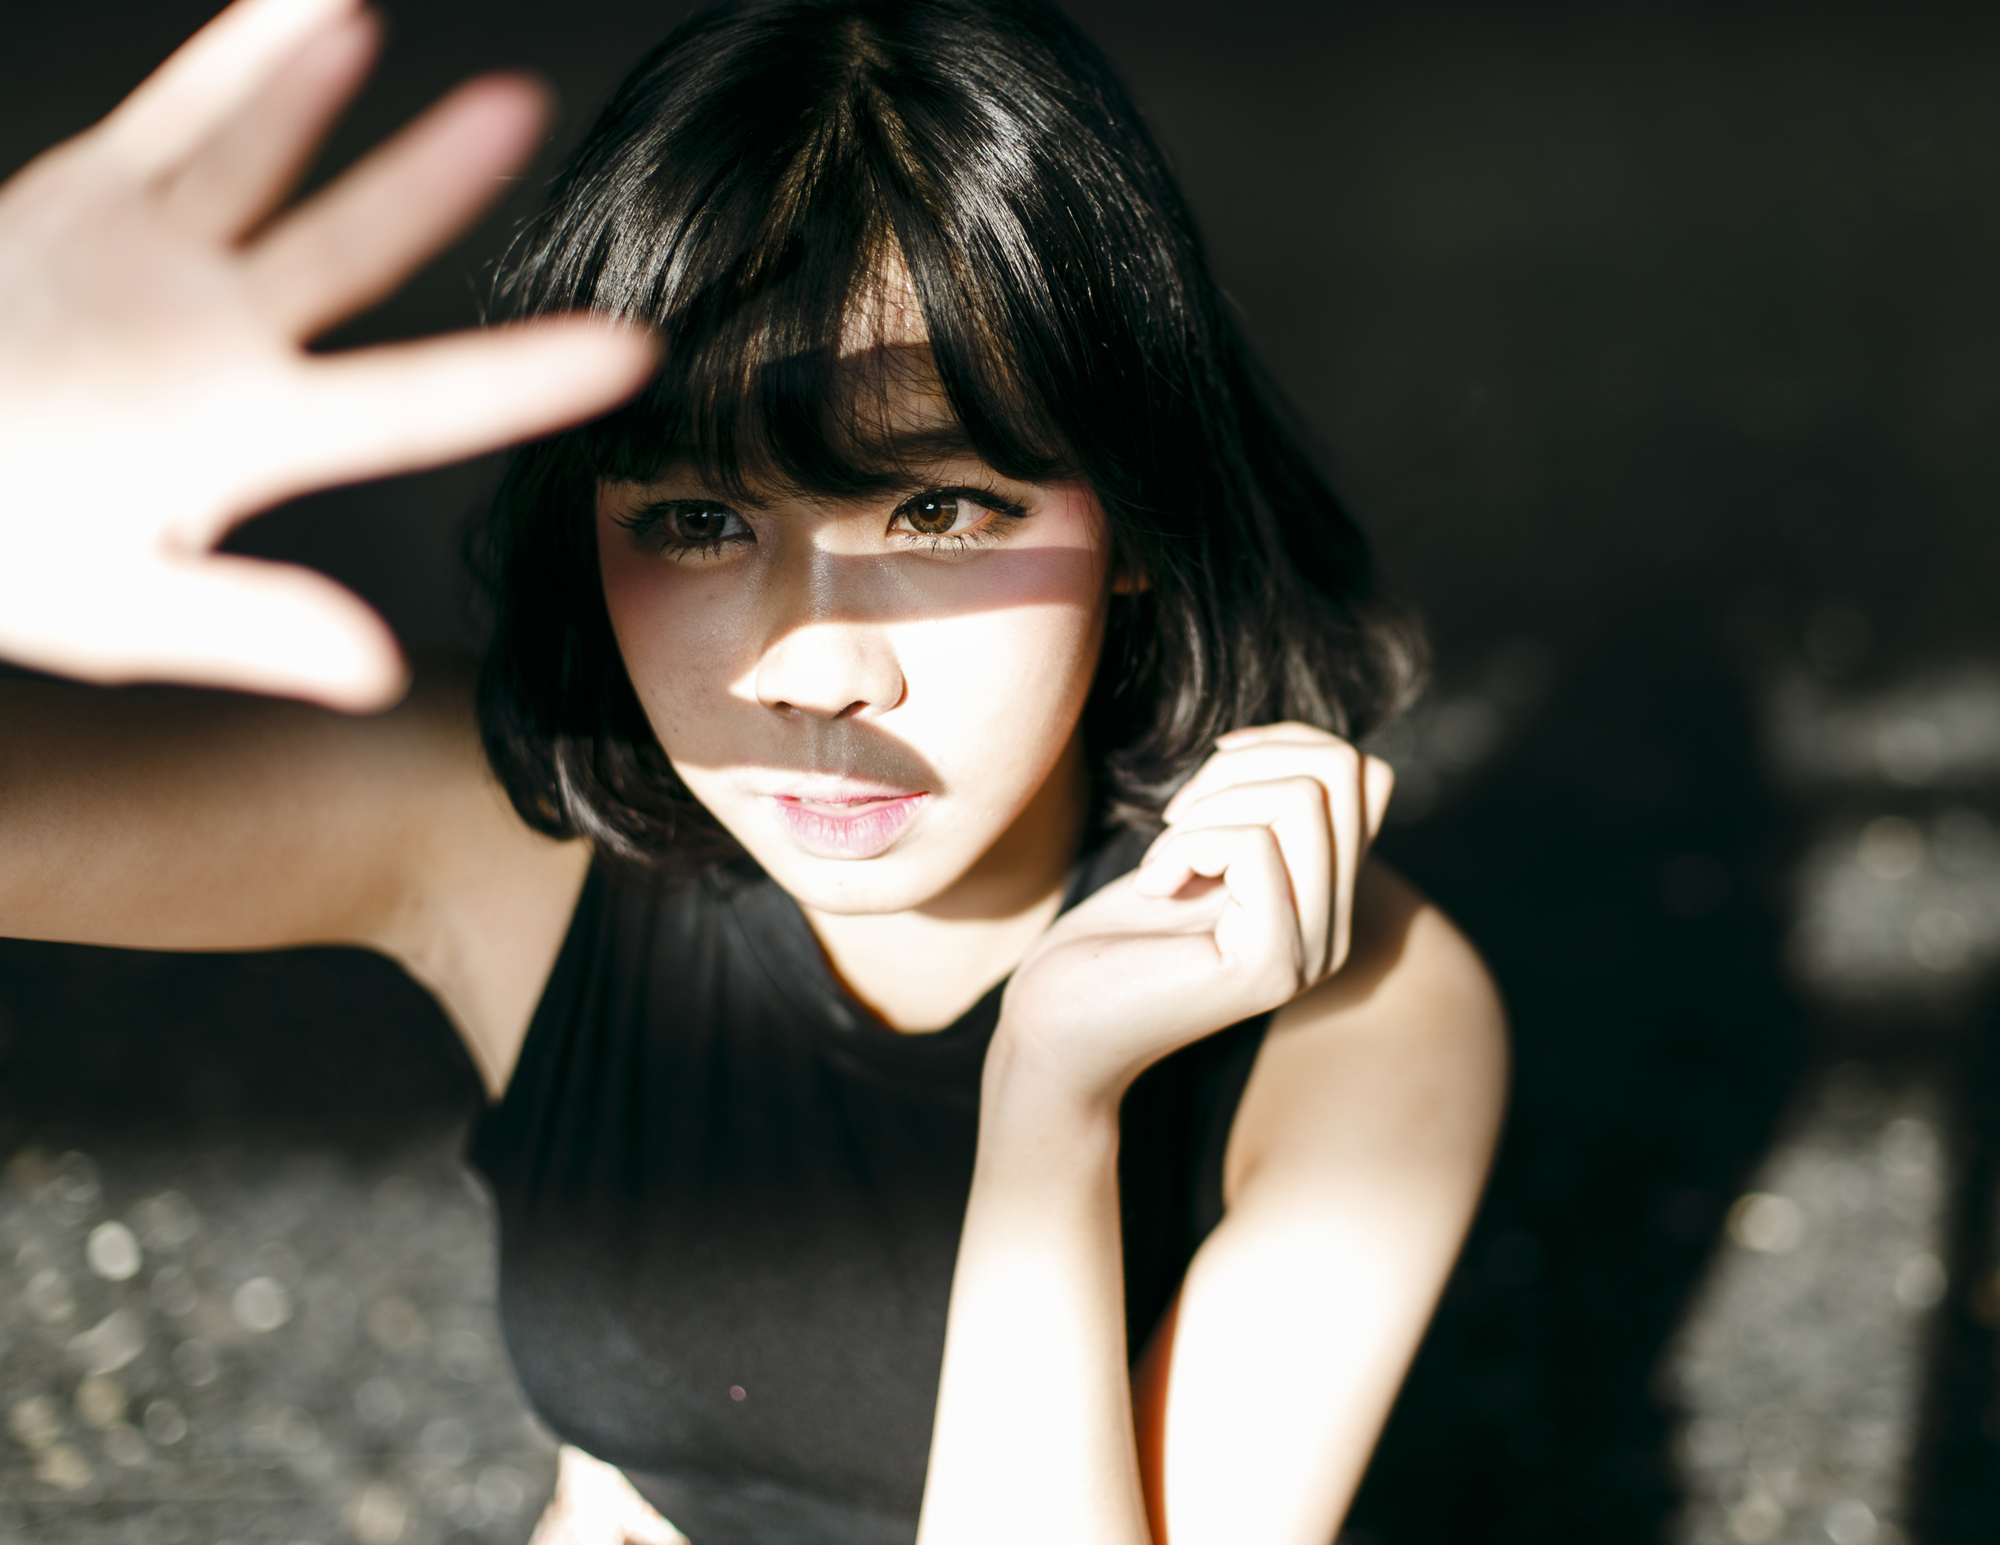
703	527
684	526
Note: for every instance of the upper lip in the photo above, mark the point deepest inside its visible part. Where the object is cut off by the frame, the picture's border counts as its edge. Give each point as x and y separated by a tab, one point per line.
839	791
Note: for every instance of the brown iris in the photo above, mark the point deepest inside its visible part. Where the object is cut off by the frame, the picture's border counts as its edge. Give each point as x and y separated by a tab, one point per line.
700	526
932	516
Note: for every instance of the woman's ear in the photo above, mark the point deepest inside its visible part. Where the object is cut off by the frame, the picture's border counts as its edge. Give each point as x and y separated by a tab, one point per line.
1129	581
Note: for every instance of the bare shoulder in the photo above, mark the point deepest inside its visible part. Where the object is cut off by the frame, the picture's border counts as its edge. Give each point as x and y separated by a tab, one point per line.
1403	1052
1409	962
159	818
488	899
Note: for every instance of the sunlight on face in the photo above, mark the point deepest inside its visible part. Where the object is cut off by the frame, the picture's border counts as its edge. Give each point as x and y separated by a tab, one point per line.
869	693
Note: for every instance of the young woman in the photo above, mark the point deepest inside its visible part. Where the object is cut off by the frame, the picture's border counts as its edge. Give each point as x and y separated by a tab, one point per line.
954	1073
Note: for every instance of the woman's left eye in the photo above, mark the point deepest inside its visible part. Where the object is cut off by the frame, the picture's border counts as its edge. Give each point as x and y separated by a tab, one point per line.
950	512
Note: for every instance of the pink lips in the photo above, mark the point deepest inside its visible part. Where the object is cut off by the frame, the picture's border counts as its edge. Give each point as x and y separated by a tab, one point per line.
857	826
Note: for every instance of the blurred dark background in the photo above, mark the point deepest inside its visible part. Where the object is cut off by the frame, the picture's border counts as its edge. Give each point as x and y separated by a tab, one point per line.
1658	348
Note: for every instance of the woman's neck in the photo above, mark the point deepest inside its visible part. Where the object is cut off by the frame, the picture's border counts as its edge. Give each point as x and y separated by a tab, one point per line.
920	970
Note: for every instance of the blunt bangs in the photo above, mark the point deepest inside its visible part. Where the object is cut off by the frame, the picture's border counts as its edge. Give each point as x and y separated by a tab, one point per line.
766	191
766	244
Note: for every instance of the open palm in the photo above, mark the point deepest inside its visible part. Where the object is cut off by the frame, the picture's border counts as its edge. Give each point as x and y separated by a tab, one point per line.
155	300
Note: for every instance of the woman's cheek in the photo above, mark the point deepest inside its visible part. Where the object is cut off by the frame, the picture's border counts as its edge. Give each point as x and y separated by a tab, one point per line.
681	645
998	688
1024	654
641	618
631	581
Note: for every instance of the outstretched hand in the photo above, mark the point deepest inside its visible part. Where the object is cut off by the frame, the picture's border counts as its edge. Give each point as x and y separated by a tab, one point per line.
155	300
1244	902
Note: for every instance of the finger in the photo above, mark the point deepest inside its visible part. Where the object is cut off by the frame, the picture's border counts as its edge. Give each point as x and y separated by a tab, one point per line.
1296	810
550	1528
209	78
1347	808
629	1517
251	626
1285	730
353	244
1324	756
649	1528
404	406
1257	930
1378	784
242	172
1262	747
1206	853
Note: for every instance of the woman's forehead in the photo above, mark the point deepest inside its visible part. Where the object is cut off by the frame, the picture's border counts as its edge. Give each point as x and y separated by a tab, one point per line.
889	400
784	407
885	312
898	426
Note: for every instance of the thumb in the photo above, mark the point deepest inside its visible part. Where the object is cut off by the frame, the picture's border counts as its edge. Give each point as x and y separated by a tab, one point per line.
225	621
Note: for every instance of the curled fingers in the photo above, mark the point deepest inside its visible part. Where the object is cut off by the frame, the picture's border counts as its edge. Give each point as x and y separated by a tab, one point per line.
1295	808
1258	943
1355	794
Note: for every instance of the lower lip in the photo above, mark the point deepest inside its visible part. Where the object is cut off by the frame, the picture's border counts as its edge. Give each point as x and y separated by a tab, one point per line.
863	829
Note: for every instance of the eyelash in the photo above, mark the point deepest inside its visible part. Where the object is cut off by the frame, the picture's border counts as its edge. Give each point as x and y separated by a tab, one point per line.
1003	510
650	522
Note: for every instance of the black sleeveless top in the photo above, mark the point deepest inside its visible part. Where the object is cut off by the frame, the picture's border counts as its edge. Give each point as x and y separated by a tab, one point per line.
730	1200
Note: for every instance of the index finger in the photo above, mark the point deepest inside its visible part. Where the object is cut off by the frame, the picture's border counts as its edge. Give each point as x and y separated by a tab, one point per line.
1286	731
1268	752
213	76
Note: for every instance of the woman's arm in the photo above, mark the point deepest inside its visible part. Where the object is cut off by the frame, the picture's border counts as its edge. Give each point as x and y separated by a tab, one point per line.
1335	1244
1358	1155
158	818
1034	1437
156	297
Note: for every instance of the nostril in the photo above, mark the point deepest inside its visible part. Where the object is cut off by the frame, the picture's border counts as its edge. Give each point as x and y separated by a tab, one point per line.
808	711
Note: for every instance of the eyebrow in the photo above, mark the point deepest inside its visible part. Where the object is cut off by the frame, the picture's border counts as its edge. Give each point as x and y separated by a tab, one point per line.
898	455
938	442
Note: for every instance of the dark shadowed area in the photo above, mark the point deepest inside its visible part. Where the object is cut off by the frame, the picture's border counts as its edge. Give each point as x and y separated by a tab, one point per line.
1658	348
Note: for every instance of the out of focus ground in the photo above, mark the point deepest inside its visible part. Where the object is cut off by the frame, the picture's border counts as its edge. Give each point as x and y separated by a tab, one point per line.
285	1336
1659	347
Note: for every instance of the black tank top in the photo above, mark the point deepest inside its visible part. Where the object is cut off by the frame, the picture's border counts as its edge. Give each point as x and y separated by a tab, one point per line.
730	1201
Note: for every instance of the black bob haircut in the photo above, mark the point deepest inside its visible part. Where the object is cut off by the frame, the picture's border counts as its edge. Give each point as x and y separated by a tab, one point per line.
743	194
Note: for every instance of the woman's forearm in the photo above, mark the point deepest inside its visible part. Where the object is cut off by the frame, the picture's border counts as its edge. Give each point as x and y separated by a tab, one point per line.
1239	908
1034	1435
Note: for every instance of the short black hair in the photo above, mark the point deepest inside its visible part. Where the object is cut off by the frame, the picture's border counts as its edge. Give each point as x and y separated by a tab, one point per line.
741	193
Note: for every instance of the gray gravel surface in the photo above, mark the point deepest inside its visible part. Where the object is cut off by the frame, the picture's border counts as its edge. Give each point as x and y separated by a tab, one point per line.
286	1340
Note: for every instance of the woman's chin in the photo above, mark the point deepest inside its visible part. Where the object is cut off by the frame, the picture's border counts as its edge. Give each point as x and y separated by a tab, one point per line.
890	882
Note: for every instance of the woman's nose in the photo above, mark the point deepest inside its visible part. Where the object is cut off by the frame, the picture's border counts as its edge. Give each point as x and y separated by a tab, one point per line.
827	659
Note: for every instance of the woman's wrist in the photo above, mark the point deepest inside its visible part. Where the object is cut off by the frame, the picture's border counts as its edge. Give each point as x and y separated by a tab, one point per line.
1034	1433
1034	1083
